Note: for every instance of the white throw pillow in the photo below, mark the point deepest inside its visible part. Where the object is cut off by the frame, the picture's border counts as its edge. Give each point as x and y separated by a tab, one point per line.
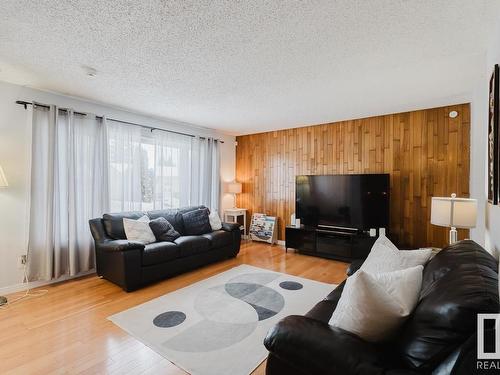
386	257
139	230
215	221
373	306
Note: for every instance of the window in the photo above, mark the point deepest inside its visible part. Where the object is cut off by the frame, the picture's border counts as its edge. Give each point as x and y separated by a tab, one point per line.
148	169
147	172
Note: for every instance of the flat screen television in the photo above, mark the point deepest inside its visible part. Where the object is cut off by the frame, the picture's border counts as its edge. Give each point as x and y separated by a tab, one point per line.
355	201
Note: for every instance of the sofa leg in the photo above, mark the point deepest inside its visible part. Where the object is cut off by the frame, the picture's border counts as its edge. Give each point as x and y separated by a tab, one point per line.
129	289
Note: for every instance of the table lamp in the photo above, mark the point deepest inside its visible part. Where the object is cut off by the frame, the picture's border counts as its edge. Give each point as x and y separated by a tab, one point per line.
453	212
234	188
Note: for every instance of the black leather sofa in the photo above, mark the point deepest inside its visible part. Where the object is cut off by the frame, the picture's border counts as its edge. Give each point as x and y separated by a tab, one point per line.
132	265
439	337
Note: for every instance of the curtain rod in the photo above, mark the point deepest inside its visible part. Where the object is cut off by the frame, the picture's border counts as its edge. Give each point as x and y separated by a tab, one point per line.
25	104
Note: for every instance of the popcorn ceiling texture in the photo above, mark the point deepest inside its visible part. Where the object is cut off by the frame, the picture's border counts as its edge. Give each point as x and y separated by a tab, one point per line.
250	66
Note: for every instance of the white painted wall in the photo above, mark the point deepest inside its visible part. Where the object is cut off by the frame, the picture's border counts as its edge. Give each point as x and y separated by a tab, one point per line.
15	160
492	215
488	231
478	154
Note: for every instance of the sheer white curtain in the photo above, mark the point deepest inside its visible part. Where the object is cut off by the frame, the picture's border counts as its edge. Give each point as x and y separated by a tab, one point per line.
172	169
186	171
205	169
83	167
68	187
125	156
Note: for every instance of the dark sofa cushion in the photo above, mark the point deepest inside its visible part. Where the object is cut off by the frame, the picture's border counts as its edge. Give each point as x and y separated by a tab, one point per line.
113	223
159	252
191	245
219	238
313	347
163	230
196	222
460	282
174	216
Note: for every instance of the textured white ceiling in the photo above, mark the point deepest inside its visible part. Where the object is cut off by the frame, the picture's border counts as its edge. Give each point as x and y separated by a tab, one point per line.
250	66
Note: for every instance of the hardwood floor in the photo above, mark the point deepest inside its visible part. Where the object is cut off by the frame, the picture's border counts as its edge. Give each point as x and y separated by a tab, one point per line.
66	330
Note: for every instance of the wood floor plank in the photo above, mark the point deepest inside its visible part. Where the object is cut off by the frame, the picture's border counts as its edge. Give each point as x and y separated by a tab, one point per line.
66	331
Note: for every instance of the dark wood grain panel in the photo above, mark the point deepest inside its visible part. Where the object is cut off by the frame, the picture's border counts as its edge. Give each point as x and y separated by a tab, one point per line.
426	153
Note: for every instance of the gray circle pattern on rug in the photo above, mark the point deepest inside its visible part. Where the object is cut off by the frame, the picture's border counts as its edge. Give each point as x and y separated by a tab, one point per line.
291	285
169	319
266	301
230	311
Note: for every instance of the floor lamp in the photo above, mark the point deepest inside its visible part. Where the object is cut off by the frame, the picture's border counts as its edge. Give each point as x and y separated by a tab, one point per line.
453	212
3	184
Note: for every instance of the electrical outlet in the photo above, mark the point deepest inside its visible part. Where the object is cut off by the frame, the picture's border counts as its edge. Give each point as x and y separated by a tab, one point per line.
21	261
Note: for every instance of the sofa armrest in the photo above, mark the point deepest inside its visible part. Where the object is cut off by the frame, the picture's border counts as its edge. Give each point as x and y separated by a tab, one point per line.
354	266
120	245
229	227
97	230
314	347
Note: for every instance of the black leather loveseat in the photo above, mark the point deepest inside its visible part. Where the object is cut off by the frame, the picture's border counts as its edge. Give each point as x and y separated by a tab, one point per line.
132	264
439	337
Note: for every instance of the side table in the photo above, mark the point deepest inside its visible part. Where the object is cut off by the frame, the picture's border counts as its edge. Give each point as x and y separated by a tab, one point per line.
231	215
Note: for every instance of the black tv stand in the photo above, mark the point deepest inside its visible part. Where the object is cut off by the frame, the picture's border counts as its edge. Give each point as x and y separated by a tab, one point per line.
333	243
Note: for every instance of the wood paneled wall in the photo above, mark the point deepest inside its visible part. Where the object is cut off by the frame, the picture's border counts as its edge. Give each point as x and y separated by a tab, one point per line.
426	153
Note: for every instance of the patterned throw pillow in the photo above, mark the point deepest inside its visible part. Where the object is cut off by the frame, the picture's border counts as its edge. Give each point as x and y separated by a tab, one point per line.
196	222
163	230
215	221
139	230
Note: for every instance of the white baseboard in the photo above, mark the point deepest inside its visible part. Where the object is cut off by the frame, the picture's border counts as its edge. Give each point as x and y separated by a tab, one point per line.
36	284
280	242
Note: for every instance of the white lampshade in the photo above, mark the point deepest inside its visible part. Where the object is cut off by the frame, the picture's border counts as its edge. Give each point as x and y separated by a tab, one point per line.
3	179
234	188
454	212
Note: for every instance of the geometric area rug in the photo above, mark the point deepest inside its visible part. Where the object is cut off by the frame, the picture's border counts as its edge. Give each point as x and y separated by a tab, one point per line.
217	326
